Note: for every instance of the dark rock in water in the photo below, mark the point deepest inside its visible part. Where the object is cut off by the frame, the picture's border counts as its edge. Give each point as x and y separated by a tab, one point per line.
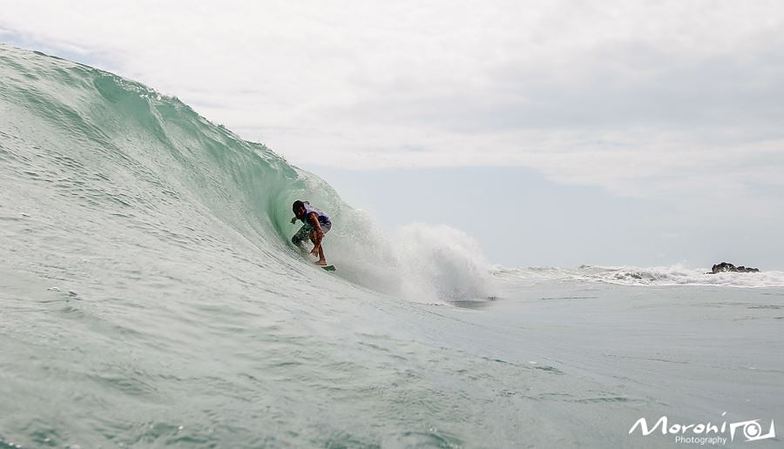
728	267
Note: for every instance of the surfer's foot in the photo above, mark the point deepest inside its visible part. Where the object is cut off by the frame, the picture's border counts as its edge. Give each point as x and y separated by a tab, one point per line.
322	263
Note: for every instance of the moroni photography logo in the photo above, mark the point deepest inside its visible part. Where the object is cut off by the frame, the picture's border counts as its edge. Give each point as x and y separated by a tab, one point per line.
707	433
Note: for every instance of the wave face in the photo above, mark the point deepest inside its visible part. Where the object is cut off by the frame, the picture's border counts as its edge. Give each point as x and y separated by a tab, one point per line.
648	277
94	144
148	283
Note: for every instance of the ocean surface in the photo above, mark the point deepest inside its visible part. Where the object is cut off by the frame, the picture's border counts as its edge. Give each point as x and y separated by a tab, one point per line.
149	297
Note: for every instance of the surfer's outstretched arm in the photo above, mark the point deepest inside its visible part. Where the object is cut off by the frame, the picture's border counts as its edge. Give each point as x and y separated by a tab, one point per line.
316	236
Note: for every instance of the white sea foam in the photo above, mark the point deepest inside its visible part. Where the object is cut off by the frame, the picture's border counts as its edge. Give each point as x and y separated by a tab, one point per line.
418	261
642	276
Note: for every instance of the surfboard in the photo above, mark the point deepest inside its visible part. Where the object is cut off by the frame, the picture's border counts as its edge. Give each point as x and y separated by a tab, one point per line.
329	268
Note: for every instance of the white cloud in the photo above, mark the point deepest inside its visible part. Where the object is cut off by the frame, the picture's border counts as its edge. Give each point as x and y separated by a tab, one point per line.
641	98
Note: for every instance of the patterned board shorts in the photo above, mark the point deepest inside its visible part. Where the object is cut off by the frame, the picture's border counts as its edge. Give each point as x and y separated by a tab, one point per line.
304	232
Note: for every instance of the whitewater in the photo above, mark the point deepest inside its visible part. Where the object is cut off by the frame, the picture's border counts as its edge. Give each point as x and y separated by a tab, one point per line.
150	297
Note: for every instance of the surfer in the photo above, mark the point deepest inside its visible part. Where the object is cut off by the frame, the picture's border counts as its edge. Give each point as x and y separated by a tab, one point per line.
317	224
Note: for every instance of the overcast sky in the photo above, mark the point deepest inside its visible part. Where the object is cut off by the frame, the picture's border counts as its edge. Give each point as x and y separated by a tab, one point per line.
673	106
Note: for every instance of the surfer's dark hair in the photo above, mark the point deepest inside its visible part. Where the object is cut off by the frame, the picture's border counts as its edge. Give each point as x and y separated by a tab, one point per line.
297	204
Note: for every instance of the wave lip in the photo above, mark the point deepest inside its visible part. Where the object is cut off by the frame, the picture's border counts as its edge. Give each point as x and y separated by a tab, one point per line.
674	275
